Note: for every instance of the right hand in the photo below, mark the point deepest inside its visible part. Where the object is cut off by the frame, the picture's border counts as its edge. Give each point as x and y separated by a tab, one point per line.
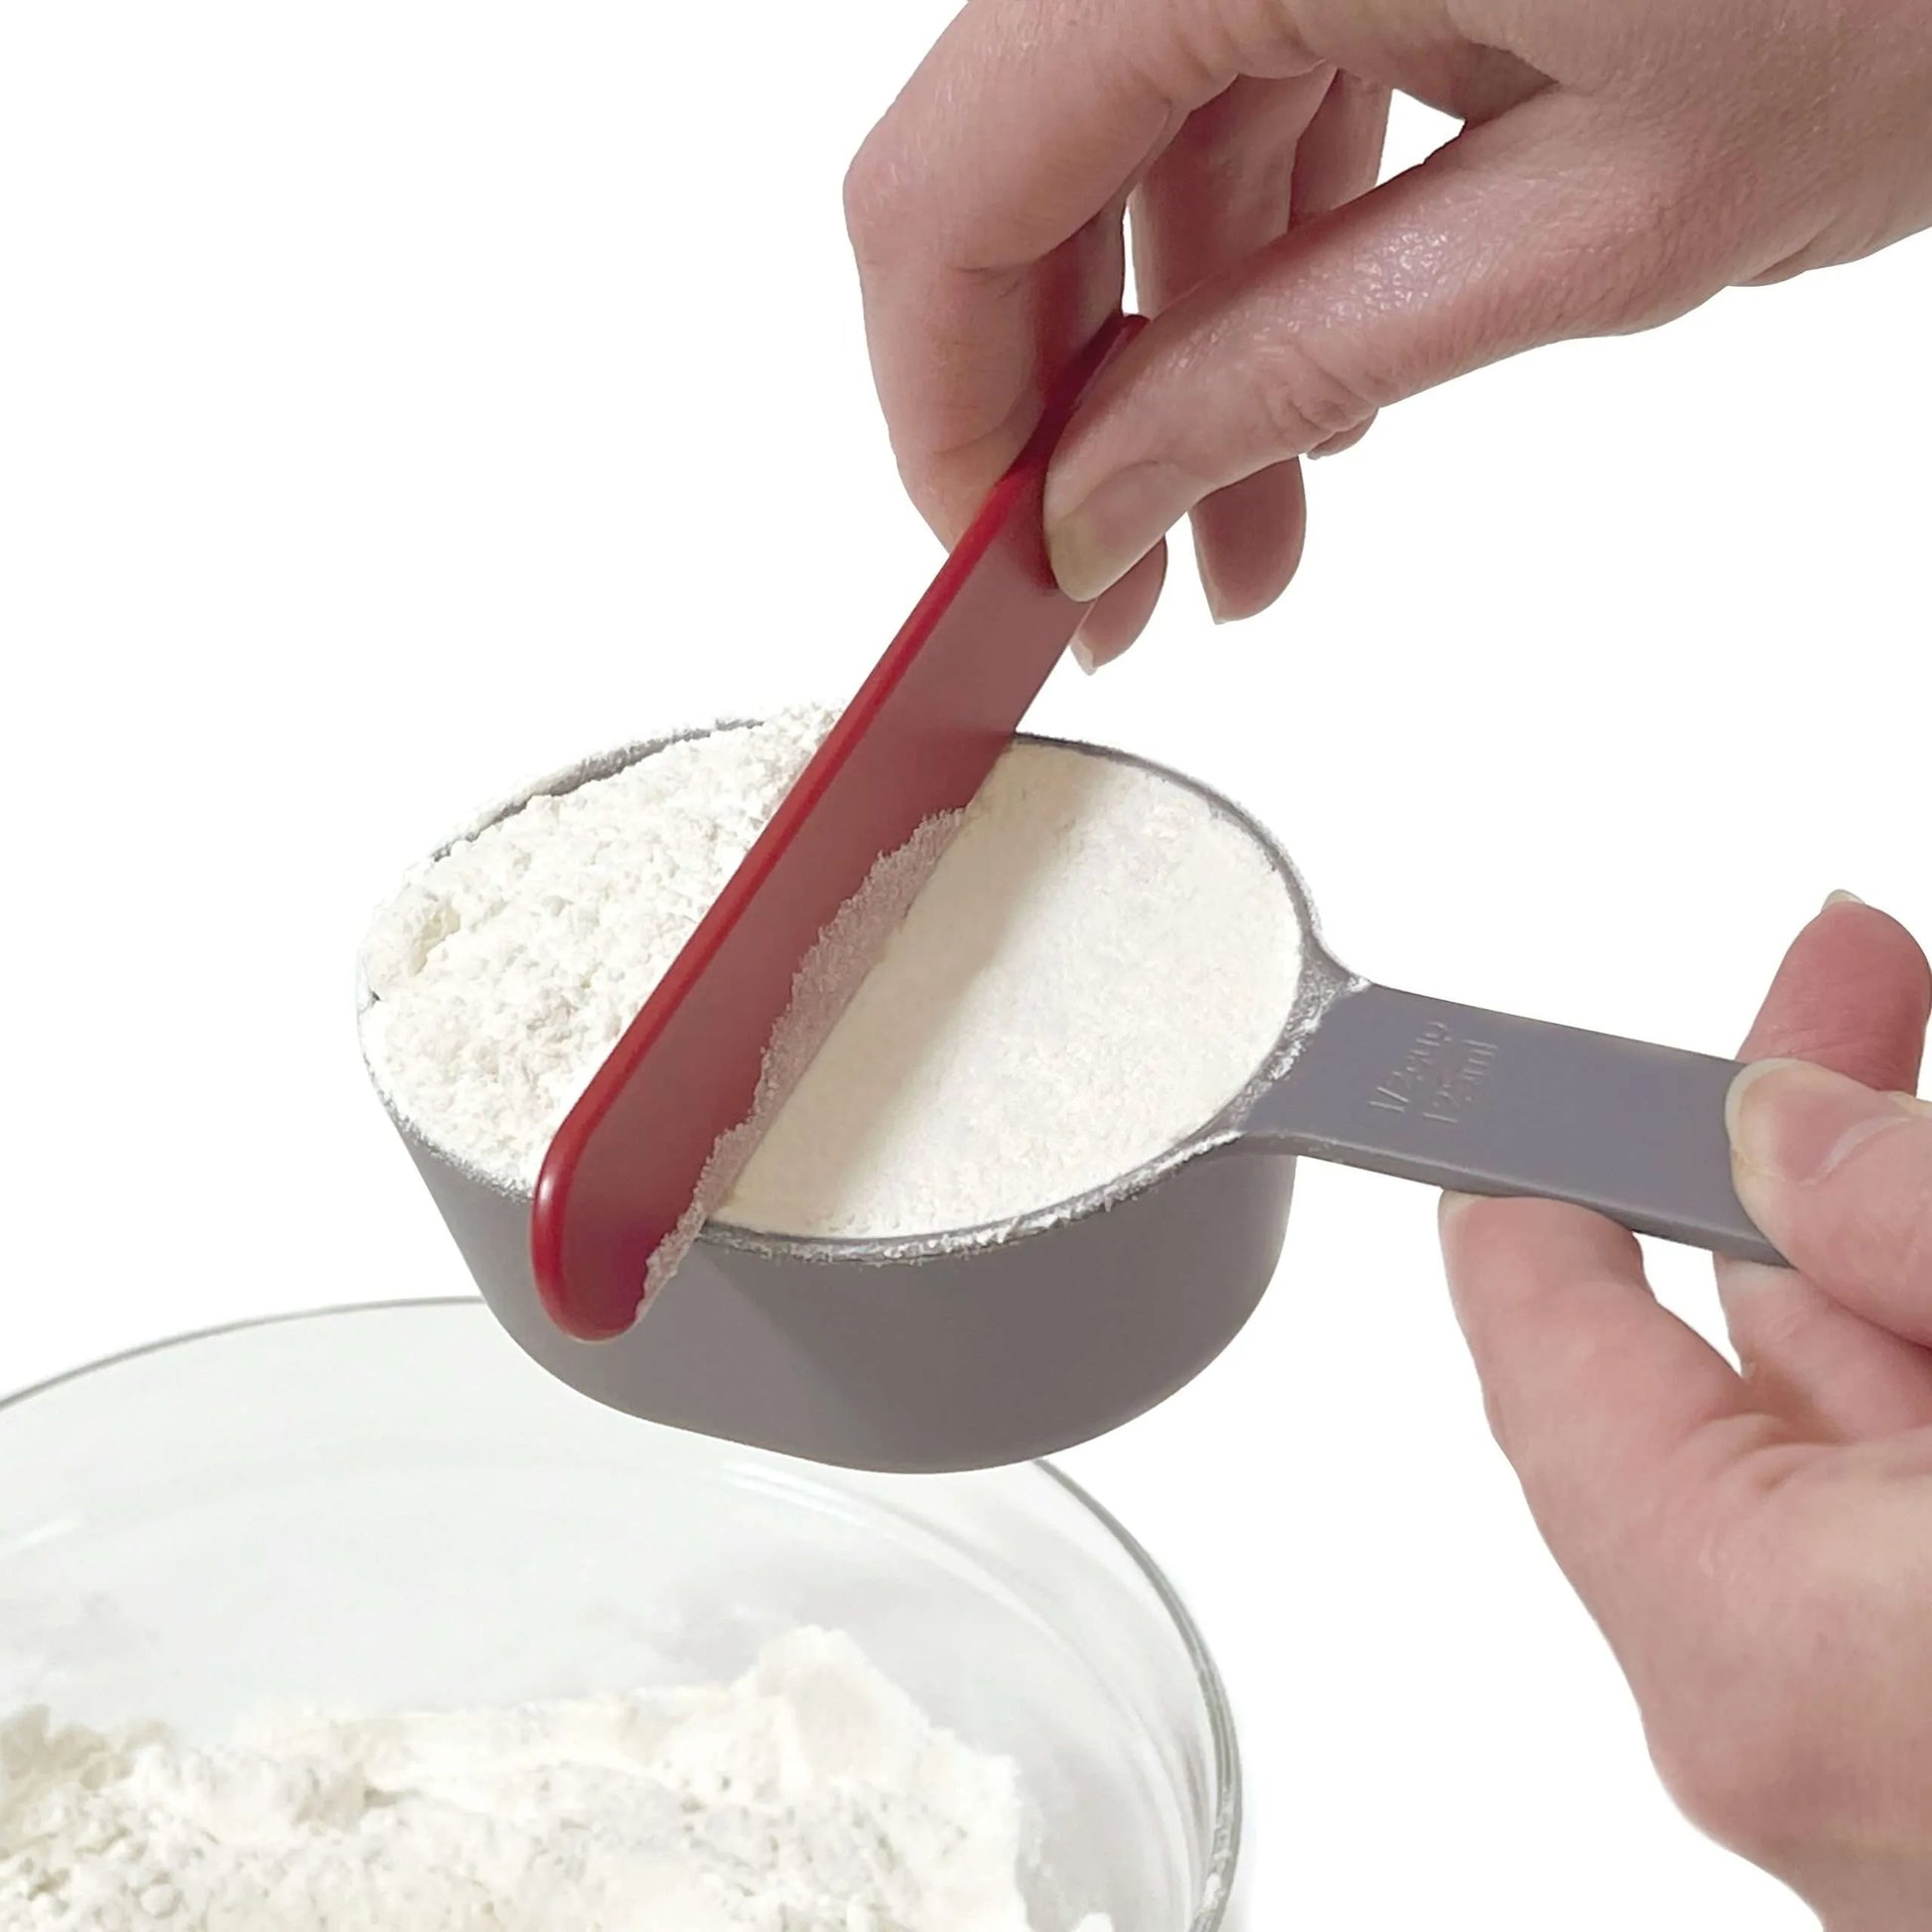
1757	1544
1620	162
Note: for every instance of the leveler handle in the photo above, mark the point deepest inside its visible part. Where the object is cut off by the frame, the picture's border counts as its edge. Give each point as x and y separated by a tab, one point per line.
1488	1103
663	1120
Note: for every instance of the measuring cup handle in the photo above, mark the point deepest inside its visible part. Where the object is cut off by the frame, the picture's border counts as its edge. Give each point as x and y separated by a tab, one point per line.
1488	1103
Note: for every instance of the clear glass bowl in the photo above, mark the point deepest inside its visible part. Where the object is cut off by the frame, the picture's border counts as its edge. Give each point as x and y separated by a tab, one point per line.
389	1507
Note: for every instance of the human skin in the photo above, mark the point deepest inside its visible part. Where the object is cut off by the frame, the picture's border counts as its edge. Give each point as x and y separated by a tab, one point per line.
1754	1542
1757	1546
1620	162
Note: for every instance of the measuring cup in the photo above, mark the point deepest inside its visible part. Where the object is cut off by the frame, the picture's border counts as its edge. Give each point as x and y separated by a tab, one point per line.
981	1346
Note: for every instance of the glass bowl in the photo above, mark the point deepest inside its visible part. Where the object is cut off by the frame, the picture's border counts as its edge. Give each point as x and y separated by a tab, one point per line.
387	1507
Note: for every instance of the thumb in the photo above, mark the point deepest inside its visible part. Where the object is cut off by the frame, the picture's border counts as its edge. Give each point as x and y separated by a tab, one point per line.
1840	1176
1564	218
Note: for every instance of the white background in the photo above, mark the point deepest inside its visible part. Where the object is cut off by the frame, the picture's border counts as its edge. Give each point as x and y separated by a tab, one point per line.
397	400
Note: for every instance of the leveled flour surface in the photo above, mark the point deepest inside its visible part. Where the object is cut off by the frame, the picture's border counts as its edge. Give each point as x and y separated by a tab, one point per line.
809	1796
1099	965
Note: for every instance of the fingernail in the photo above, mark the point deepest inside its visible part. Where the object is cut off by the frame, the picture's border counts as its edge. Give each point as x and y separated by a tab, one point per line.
1795	1123
1343	440
1840	898
1211	588
1451	1208
1082	654
1097	542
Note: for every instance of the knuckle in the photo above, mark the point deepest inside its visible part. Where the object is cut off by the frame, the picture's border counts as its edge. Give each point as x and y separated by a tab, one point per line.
873	204
1915	1193
1745	1766
1734	1788
1630	234
1753	1725
1659	238
1916	1265
1869	1223
1303	400
1496	1412
1346	440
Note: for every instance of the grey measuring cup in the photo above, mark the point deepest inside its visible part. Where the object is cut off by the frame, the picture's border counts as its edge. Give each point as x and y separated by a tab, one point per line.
982	1347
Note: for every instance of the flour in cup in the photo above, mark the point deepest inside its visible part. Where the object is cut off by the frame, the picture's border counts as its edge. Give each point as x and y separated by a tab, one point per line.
1100	962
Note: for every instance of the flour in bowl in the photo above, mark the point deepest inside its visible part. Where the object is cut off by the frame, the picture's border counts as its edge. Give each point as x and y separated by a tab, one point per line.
811	1795
1100	962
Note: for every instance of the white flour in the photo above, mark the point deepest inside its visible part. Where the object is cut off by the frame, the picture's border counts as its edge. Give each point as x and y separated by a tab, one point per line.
506	971
1099	965
810	1796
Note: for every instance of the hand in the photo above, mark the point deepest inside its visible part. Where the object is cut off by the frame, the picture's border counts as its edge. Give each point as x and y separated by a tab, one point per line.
1757	1547
1620	162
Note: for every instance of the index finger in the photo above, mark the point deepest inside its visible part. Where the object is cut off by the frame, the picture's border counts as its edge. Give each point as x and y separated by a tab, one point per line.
987	228
985	210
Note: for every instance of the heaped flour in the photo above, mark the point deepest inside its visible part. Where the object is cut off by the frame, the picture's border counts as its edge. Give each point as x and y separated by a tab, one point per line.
1100	962
811	1795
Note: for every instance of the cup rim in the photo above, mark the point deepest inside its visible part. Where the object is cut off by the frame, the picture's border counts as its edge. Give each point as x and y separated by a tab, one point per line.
1225	1822
1320	980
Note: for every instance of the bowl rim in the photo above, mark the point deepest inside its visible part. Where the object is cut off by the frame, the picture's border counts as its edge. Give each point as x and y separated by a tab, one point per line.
1225	1823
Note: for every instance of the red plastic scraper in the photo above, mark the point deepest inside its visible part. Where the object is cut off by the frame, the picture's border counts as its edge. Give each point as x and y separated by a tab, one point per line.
916	744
